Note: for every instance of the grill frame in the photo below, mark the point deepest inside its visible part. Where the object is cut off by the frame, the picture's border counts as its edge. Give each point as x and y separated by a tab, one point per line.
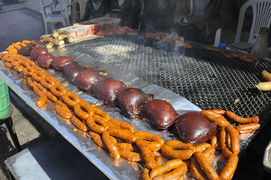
184	71
123	52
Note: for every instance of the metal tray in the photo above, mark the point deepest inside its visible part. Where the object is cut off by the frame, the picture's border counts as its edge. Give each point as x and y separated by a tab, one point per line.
99	157
206	78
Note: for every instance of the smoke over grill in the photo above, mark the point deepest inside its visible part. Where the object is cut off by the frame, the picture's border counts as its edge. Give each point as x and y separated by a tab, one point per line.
195	20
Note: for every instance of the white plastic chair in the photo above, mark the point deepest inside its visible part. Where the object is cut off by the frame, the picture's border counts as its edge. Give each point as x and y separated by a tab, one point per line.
217	37
261	18
65	8
52	14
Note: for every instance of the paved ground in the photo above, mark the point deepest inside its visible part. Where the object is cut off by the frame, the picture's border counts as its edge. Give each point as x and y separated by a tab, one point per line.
20	21
30	129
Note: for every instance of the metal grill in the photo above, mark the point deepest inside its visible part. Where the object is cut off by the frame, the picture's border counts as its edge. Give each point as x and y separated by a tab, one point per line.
207	79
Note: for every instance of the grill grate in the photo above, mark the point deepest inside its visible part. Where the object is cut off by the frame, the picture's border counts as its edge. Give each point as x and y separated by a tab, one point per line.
206	78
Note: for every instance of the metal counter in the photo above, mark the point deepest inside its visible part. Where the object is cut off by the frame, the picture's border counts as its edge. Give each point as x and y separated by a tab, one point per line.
206	79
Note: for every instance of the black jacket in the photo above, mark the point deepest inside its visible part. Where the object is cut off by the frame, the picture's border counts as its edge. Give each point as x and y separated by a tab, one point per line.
91	13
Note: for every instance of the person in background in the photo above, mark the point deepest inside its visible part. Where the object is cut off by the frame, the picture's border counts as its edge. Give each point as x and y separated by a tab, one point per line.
216	14
176	16
97	8
131	13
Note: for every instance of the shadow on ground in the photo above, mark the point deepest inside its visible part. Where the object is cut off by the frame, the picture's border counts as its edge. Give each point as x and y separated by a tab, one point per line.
6	149
29	132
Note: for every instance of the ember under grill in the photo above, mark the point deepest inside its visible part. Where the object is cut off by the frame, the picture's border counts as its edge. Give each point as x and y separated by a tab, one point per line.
206	78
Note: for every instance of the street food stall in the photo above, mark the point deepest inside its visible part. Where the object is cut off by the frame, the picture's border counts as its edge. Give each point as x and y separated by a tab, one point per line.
143	105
